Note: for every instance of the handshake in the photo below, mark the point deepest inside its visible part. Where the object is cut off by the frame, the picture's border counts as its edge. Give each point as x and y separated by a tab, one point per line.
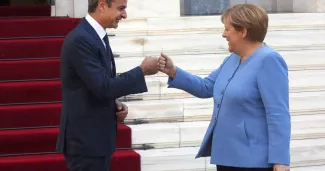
151	65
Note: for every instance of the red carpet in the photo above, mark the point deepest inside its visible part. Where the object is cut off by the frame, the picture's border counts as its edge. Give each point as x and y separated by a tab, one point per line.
30	48
29	69
121	161
34	27
44	140
37	10
30	93
15	116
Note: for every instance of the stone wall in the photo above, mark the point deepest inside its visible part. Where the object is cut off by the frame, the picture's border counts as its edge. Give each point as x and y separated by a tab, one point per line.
211	7
135	9
176	8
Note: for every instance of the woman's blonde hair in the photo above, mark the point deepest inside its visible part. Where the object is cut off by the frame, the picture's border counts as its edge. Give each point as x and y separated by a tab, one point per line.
248	16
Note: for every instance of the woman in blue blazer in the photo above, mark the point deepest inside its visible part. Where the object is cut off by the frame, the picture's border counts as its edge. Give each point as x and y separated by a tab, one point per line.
250	127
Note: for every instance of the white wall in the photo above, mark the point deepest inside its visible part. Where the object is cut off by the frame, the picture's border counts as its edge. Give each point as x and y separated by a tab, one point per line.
64	8
80	8
135	9
153	8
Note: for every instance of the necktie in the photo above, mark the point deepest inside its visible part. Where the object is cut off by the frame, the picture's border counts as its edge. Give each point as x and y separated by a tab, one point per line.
109	51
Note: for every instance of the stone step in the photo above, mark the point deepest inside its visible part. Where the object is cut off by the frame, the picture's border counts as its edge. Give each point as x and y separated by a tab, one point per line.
205	63
195	109
211	24
306	155
300	81
139	46
190	134
310	168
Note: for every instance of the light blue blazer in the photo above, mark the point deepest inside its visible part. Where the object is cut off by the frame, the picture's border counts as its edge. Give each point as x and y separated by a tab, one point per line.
250	125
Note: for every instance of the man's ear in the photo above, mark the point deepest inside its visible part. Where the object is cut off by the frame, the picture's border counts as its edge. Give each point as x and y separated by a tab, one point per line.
101	5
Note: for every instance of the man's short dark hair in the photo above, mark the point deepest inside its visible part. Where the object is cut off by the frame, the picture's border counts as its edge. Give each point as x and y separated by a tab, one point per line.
92	4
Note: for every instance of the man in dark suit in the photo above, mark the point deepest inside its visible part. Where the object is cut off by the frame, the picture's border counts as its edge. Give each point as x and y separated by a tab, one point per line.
90	111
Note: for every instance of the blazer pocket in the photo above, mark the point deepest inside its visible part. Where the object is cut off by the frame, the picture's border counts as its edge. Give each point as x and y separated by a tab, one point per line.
243	132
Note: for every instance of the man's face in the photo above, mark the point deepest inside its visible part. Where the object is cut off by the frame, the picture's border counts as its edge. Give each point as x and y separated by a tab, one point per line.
111	16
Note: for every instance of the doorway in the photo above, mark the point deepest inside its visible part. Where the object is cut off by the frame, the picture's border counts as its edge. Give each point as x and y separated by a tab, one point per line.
4	2
23	3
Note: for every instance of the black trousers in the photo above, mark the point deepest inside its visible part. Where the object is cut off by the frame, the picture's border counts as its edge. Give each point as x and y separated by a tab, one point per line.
226	168
82	163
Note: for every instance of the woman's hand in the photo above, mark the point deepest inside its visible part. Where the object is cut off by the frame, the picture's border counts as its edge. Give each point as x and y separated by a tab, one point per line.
280	167
167	66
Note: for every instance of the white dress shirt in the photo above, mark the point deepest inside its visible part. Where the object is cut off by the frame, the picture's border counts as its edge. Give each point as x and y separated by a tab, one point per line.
98	28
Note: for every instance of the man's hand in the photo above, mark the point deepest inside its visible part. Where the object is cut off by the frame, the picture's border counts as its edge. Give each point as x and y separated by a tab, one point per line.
166	66
150	65
279	167
122	111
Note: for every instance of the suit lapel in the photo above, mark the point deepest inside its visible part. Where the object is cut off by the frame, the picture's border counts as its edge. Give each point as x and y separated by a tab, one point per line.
108	56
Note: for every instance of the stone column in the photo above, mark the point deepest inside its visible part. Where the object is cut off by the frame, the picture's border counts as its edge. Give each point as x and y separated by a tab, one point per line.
64	8
80	8
182	7
310	6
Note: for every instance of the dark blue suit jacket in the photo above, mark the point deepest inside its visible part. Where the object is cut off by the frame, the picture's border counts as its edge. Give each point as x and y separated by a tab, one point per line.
88	120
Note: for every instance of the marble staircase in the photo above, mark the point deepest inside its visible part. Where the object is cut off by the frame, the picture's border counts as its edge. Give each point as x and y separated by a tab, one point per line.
187	44
194	109
299	81
210	24
306	155
190	134
173	123
207	62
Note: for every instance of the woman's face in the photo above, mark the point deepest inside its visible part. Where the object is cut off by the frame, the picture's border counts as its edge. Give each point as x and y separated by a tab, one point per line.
235	38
